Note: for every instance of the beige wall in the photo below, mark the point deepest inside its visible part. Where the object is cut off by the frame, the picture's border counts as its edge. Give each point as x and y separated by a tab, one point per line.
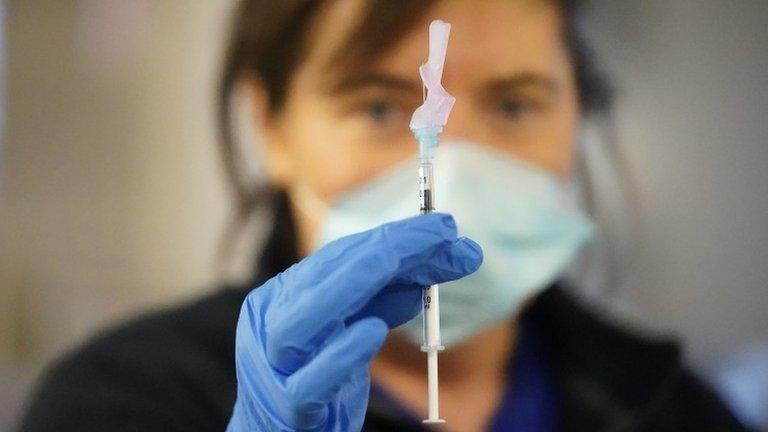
693	98
112	195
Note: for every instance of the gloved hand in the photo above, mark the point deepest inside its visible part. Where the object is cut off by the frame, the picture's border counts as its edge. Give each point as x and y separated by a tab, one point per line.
305	338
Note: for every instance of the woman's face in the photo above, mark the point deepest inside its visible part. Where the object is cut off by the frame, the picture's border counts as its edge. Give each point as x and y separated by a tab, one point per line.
507	65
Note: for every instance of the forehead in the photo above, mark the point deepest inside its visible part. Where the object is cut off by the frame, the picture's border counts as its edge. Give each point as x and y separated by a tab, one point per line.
488	38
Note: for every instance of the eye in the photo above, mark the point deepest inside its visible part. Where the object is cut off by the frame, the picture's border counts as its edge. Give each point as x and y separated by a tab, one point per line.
380	111
514	108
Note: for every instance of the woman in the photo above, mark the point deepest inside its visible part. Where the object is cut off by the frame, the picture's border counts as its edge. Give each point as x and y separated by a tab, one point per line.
333	84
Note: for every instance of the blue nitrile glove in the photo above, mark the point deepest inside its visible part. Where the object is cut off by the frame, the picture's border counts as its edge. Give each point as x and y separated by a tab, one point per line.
305	338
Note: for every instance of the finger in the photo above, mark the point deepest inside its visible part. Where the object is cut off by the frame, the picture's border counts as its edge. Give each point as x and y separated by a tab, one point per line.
316	384
318	295
411	237
461	258
395	305
353	285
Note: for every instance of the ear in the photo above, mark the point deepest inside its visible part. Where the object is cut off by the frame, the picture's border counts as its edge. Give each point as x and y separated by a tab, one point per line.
277	160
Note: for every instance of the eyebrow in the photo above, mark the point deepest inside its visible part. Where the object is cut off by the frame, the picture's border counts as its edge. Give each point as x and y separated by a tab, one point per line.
354	82
527	79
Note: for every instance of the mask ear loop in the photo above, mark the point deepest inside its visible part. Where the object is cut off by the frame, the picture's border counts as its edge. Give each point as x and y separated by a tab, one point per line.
593	271
604	267
629	211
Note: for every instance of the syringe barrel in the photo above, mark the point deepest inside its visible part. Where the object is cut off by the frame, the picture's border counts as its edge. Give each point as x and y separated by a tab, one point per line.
426	188
430	293
431	317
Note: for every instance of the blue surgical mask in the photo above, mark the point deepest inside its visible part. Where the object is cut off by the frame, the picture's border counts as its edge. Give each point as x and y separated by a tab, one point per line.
517	212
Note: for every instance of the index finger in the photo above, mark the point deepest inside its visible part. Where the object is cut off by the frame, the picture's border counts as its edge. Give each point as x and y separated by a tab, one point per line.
356	267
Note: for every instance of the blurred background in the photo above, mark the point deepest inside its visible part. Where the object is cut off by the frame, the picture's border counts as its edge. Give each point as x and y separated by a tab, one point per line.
112	198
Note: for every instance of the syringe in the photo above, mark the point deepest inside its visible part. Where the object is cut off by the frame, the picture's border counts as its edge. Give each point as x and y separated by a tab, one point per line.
428	140
427	123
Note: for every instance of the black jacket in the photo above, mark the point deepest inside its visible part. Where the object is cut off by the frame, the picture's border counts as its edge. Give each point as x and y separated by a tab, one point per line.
173	370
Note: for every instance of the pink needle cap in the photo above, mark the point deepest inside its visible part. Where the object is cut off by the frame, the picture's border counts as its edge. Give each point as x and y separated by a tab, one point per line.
433	113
